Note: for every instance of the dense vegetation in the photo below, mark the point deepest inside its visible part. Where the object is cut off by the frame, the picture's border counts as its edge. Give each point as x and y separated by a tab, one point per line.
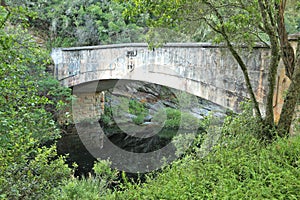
82	22
28	169
238	165
92	22
238	168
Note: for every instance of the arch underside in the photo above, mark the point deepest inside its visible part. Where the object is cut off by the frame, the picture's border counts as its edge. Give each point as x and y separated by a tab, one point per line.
219	96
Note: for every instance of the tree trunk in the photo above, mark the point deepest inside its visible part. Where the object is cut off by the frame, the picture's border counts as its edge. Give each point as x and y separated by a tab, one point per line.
273	66
291	98
270	29
287	51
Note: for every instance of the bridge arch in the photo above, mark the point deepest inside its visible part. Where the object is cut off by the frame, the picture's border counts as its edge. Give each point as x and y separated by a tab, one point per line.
205	70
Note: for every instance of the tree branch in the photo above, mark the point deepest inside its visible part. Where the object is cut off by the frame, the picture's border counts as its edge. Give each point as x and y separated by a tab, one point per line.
291	98
238	59
287	51
272	69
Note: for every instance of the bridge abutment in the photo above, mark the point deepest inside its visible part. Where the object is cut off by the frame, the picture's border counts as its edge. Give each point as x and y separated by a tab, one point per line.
89	105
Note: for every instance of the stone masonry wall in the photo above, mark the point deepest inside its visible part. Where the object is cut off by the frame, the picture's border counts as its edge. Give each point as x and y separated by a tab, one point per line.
88	106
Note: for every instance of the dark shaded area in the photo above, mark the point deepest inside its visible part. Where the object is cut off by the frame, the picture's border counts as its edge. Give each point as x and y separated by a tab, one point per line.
71	144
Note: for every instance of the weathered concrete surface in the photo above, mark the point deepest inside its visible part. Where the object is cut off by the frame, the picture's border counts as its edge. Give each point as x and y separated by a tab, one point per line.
205	70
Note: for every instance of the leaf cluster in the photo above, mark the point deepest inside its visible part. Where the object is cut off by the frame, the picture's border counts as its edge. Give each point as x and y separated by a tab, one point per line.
239	166
28	169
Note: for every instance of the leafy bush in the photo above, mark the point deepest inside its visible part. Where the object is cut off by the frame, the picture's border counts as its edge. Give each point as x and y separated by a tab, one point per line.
138	120
85	188
177	119
60	99
246	122
137	108
239	166
31	174
182	142
107	120
189	122
89	188
131	106
173	118
103	171
244	171
28	169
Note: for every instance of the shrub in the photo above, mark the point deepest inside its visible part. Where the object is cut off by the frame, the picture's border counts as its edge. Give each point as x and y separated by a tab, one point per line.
245	122
28	169
137	108
104	172
239	166
85	188
177	119
133	107
89	188
182	143
139	119
173	118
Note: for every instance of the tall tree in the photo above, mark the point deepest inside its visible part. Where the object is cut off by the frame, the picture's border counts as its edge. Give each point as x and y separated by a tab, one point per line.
236	23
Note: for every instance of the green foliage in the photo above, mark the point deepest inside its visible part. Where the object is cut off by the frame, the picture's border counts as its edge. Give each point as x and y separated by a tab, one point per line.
60	41
292	16
244	122
85	188
107	120
138	120
138	108
105	173
92	187
200	20
182	143
77	22
156	37
121	108
50	87
177	119
60	98
107	116
240	166
173	118
130	106
28	170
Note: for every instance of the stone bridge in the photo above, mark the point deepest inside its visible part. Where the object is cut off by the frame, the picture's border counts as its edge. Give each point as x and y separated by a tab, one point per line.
202	69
